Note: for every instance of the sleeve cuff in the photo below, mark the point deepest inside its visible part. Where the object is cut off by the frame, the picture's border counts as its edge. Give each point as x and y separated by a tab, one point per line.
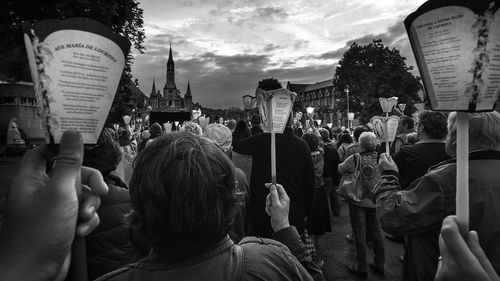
390	173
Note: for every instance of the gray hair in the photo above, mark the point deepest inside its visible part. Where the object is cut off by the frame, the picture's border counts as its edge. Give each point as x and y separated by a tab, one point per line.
367	141
484	132
192	128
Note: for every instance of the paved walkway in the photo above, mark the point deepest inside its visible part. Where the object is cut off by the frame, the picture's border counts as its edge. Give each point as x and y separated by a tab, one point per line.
341	254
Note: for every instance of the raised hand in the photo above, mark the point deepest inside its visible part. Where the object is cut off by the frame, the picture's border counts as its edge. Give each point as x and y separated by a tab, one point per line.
277	206
42	210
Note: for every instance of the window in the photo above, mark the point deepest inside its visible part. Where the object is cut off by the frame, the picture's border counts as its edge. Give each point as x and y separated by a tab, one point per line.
7	100
27	101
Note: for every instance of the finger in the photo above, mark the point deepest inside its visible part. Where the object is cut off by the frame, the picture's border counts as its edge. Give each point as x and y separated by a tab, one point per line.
93	178
382	158
89	206
268	204
477	250
267	185
85	228
275	200
282	193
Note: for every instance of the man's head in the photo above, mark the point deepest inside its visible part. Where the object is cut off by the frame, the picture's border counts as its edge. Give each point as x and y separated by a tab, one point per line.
357	132
405	124
155	130
255	120
183	195
484	133
231	124
432	124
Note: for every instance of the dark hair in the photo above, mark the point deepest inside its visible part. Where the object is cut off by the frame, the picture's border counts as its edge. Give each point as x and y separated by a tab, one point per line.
407	122
256	120
241	131
155	130
125	137
298	132
345	138
312	141
104	156
357	132
183	195
434	124
325	134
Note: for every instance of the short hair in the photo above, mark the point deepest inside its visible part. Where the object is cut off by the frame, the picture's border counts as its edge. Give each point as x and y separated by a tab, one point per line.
367	141
183	195
407	122
106	155
241	131
325	134
433	124
312	141
256	120
220	135
192	128
357	132
345	138
484	132
412	138
231	124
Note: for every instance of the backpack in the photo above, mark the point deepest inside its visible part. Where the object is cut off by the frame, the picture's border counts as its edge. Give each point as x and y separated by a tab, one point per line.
369	172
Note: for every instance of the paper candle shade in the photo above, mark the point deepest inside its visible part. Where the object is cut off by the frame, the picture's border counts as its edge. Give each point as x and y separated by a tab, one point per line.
176	123
318	121
310	112
402	107
392	127
350	116
384	103
116	126
274	107
393	101
58	47
329	125
457	74
126	119
195	114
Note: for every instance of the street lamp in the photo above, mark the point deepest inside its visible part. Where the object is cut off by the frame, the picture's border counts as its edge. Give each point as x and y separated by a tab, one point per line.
346	90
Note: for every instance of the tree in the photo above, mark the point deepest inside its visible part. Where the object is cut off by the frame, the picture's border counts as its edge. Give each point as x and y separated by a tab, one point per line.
122	16
370	72
269	84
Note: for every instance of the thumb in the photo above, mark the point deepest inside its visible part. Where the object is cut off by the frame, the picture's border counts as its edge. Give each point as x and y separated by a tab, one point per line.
274	195
66	171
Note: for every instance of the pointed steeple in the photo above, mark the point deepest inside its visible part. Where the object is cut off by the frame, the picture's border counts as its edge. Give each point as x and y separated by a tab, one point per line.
153	90
170	89
188	92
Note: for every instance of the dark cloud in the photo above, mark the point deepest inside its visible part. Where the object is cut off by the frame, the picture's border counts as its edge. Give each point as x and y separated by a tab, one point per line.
271	13
390	38
270	47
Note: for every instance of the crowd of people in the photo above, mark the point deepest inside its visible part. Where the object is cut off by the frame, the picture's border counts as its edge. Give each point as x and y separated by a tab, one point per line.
198	203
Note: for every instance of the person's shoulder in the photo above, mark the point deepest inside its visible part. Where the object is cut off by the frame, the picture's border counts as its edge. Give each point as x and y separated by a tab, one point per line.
264	249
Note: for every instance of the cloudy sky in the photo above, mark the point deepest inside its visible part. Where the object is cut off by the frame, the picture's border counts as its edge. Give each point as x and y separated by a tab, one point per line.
225	47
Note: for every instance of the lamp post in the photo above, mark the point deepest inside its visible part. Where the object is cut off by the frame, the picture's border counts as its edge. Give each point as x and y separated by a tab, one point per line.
346	90
248	104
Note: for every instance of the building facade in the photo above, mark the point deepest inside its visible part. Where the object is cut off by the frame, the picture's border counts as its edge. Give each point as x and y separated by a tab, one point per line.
17	100
319	95
170	99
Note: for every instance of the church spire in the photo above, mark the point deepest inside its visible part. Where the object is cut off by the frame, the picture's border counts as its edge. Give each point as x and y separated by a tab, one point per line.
188	91
153	90
170	89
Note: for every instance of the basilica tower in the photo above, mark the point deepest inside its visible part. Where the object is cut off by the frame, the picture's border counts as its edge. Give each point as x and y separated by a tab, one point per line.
170	88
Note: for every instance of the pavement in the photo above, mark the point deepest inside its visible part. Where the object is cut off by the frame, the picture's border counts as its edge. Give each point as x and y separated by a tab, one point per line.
339	253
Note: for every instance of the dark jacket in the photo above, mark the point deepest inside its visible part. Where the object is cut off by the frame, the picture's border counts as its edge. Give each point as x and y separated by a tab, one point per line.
419	211
415	160
255	130
237	231
252	259
109	246
294	169
332	161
